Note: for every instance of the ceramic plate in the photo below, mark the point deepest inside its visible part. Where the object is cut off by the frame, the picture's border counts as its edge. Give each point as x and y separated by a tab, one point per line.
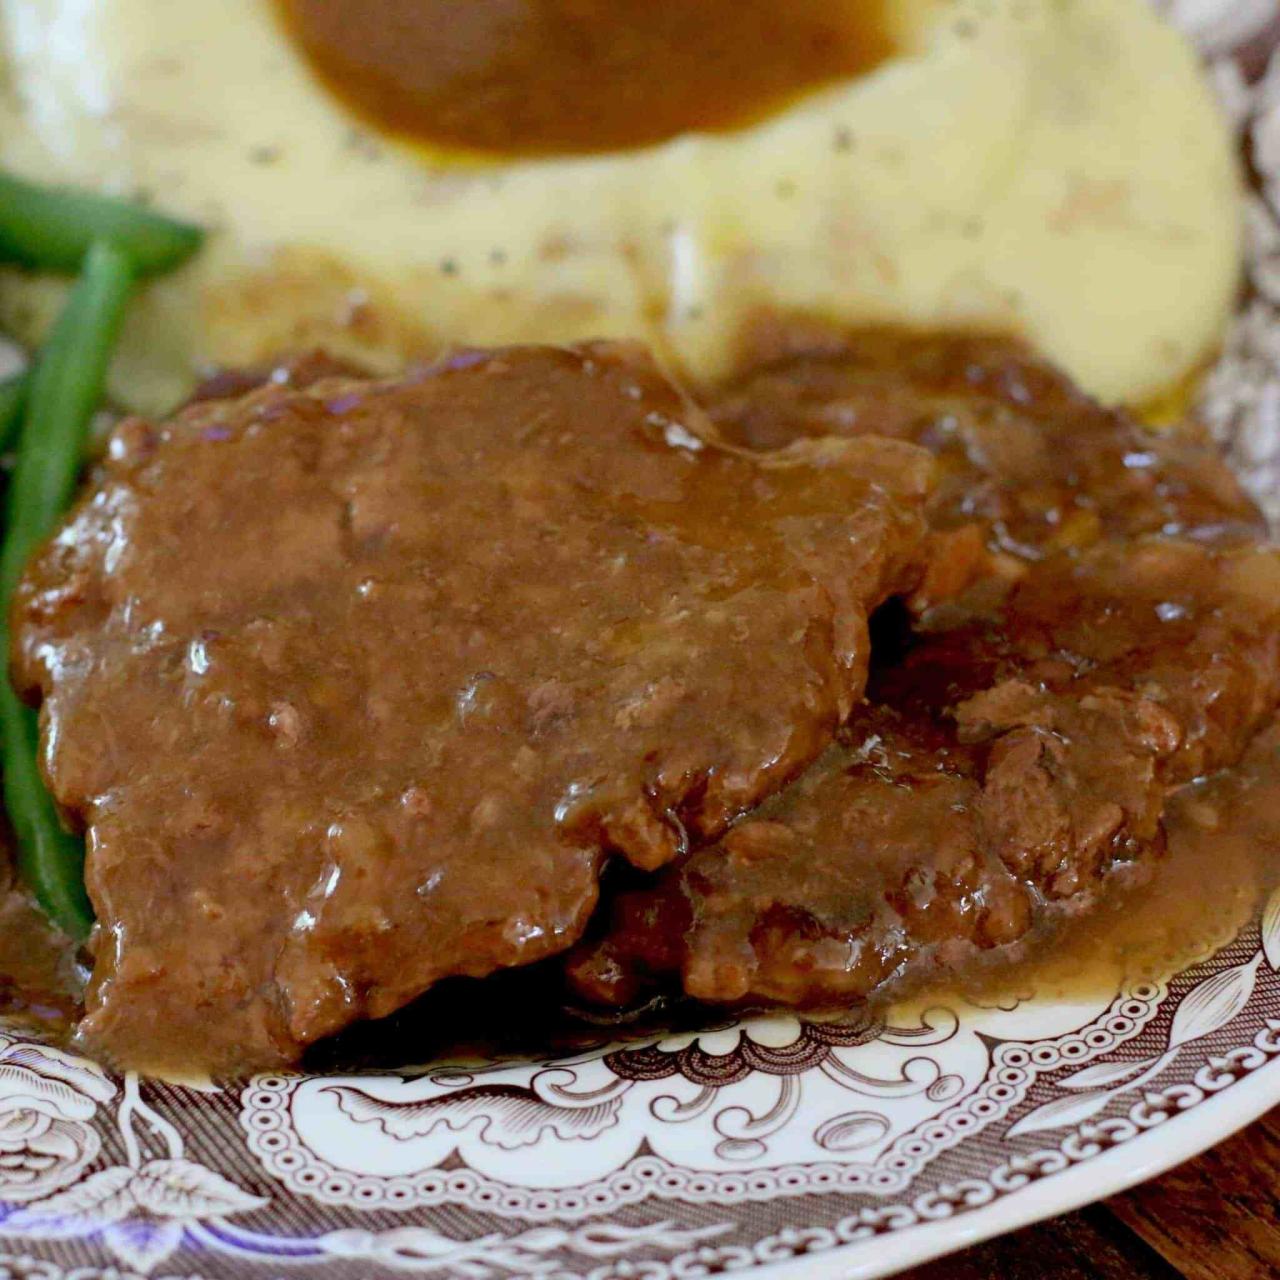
773	1147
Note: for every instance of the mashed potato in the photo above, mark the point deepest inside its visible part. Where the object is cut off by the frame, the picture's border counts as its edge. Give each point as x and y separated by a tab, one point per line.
1054	167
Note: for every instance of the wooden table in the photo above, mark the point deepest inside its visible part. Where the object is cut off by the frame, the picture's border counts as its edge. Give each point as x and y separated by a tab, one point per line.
1214	1218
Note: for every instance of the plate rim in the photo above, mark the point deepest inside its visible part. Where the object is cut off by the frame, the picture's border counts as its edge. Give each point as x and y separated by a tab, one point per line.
1160	1149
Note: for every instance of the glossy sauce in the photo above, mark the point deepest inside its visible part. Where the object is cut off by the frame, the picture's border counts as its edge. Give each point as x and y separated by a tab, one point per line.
545	77
1223	860
492	637
1221	866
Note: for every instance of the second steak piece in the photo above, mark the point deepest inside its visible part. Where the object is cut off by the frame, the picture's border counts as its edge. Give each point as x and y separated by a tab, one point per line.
1004	765
1026	460
1008	761
355	686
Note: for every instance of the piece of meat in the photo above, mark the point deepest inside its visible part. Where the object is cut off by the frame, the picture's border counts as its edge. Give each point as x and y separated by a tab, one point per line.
821	894
1004	765
1028	464
1180	634
1098	625
355	687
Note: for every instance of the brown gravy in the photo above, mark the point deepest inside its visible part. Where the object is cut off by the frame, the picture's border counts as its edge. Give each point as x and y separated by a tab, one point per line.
1222	863
1223	859
545	77
513	617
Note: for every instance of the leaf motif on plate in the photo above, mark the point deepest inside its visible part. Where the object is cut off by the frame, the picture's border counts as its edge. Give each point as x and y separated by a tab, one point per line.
103	1197
419	1243
1103	1074
1061	1113
1213	1002
506	1116
143	1243
184	1189
1271	931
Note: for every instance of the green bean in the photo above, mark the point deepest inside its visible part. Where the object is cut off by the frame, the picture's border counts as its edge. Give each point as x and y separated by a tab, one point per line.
66	387
51	229
50	858
13	398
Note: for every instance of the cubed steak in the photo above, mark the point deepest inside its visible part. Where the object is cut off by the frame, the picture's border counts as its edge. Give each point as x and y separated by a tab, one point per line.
1099	624
1002	767
354	686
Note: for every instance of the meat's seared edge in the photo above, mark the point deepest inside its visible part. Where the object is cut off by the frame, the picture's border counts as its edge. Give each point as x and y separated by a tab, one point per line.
354	686
1117	633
